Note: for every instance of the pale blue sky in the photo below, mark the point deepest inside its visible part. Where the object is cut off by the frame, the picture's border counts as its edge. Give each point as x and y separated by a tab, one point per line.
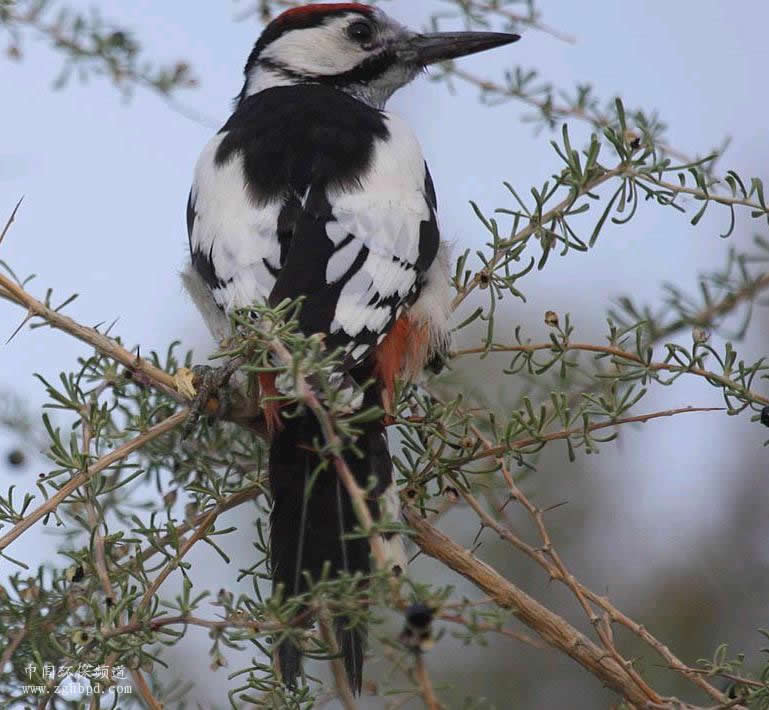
105	184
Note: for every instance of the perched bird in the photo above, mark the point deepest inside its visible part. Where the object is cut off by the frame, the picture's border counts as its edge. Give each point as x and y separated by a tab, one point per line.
311	189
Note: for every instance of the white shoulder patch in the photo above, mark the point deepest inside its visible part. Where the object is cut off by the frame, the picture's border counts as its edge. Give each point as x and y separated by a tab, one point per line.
239	236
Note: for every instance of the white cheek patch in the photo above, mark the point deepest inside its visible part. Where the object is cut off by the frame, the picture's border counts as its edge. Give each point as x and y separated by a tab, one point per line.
317	51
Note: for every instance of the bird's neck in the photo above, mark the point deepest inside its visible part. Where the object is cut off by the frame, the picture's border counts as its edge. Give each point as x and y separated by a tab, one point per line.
265	76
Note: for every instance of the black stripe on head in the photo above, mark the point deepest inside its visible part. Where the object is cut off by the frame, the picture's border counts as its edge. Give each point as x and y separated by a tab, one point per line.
367	71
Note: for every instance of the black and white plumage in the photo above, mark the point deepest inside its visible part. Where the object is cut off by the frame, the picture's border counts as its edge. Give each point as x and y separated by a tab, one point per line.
317	219
311	189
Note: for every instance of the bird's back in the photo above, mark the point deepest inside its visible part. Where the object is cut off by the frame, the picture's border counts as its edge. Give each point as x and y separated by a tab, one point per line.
307	191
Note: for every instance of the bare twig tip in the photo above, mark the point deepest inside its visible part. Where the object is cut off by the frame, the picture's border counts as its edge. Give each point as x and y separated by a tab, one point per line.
11	219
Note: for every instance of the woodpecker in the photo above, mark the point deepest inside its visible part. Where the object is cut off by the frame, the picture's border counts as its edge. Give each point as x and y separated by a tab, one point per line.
311	189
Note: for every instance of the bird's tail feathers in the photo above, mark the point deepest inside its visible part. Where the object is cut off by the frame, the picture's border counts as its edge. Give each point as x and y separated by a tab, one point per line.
312	519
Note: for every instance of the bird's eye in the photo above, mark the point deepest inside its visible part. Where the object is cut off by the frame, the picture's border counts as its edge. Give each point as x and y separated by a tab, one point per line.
361	31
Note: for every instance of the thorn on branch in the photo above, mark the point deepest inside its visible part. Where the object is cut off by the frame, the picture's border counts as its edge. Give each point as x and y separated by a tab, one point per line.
11	219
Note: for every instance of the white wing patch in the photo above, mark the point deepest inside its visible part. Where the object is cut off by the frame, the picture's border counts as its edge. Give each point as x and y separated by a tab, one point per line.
384	216
341	262
238	235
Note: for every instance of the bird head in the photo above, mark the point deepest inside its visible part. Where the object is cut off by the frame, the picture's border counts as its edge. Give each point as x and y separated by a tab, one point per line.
353	47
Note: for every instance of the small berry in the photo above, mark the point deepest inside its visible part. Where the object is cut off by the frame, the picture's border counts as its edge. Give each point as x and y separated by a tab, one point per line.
419	616
16	457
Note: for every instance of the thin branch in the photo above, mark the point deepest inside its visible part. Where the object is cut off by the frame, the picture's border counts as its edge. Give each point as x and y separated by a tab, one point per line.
678	189
566	433
531	229
244	412
424	682
188	620
75	482
550	560
94	520
623	355
201	532
582	593
549	108
545	554
173	564
335	444
342	683
725	306
232	501
740	680
120	61
492	628
556	570
518	18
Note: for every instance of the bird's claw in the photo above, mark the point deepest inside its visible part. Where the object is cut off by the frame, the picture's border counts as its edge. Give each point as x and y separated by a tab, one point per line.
212	397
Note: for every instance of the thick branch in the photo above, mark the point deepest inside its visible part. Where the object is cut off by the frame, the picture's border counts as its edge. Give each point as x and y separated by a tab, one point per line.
107	346
553	629
245	413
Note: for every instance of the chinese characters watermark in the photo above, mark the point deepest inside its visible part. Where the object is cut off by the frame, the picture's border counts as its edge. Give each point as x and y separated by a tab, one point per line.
100	679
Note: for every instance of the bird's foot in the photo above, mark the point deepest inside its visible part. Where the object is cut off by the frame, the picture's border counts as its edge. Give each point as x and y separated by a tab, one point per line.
210	393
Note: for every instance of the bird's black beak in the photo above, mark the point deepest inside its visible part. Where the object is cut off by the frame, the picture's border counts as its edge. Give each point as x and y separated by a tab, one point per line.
428	49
